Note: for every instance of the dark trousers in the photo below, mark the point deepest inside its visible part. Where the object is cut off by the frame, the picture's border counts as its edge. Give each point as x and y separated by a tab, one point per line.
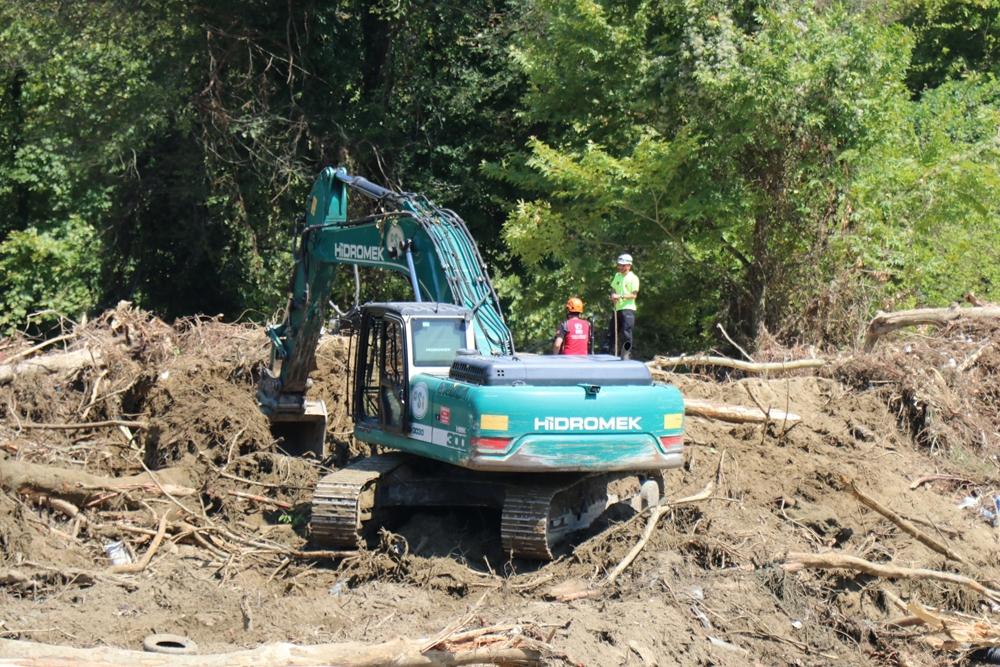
626	322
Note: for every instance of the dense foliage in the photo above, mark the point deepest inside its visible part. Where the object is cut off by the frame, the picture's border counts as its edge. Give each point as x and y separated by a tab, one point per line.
781	166
768	167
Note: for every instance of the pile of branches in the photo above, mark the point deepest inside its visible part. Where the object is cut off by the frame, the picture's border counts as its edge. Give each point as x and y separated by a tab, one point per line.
85	417
943	384
944	389
126	379
145	510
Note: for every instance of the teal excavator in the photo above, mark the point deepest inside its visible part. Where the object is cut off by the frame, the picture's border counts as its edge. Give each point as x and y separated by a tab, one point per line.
436	382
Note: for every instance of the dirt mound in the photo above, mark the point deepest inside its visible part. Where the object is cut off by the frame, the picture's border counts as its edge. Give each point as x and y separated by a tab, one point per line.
914	425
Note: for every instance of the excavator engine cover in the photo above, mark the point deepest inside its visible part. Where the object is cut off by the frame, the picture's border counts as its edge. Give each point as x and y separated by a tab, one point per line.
555	370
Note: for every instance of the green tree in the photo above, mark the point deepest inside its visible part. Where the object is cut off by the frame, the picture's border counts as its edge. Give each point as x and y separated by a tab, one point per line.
51	273
83	96
187	136
925	227
706	139
952	38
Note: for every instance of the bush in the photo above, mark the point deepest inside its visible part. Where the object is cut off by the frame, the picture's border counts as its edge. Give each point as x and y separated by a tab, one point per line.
50	273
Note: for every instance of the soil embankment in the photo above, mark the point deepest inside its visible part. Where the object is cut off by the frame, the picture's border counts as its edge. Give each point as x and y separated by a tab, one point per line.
913	425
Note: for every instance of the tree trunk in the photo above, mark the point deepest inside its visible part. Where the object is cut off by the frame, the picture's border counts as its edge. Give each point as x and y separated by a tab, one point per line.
737	414
395	653
747	366
883	323
51	363
78	486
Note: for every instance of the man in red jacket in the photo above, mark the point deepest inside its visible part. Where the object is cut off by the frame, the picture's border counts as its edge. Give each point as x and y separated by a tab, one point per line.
574	335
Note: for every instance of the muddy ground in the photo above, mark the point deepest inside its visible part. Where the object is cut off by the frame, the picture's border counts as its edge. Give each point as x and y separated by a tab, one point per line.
712	586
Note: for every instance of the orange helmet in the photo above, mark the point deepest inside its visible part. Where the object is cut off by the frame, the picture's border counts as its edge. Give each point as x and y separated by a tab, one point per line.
574	305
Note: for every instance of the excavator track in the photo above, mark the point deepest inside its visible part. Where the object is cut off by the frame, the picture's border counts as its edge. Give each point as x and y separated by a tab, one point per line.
536	518
345	499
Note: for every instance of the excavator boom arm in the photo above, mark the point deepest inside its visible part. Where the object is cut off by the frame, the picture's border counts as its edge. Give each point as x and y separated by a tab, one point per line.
410	235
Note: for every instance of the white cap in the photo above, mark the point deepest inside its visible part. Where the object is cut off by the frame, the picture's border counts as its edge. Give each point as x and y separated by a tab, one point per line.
625	259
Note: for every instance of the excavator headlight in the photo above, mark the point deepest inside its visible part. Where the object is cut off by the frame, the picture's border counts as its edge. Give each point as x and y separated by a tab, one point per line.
491	445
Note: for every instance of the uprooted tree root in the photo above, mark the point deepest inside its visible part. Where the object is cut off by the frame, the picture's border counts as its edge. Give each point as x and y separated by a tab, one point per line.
942	389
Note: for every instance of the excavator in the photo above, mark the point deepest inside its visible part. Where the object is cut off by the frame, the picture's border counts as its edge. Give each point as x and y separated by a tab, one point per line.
464	420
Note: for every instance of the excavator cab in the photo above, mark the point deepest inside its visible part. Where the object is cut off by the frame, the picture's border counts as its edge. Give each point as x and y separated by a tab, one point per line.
397	341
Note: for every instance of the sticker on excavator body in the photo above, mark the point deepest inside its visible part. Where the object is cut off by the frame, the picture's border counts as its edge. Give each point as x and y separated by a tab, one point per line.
494	422
672	422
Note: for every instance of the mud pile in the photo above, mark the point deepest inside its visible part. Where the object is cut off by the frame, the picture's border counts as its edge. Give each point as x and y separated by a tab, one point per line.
913	425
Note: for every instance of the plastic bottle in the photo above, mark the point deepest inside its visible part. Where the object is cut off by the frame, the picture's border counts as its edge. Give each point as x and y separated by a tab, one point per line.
117	553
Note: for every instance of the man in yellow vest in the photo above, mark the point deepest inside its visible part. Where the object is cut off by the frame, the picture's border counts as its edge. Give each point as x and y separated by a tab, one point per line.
624	289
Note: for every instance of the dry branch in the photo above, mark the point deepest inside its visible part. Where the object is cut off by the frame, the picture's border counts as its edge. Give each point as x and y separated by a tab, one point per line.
934	478
319	553
955	633
738	414
35	348
78	486
654	518
950	630
577	589
139	566
82	425
747	366
904	525
33	576
261	499
397	653
28	580
883	323
837	561
51	363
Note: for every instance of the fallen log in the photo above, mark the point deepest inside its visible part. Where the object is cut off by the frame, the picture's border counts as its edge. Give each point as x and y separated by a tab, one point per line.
397	653
904	525
51	363
79	486
883	323
839	561
747	366
737	414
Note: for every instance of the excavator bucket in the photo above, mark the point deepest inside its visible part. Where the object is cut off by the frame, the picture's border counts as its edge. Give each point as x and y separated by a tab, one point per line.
301	433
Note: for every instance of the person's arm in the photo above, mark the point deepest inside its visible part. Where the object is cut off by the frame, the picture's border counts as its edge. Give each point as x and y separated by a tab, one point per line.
632	285
557	344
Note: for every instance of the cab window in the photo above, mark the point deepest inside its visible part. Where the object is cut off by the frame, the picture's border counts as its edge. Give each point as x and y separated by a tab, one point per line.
436	340
381	391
